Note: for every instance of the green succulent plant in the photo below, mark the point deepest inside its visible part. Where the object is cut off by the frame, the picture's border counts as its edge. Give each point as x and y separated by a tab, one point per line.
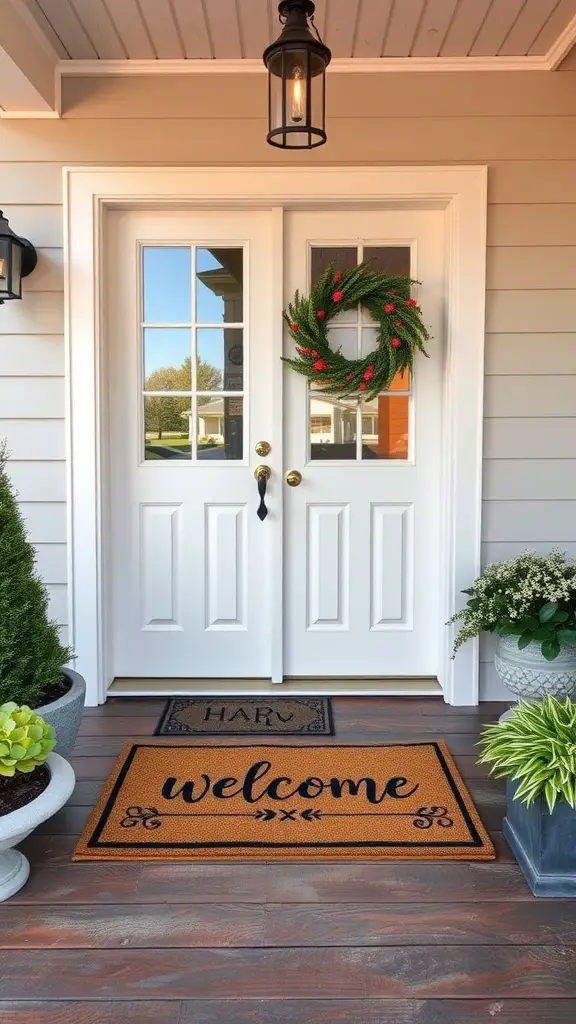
536	745
25	739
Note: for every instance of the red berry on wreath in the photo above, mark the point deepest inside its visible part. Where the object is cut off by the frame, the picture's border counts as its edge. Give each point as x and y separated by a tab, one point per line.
362	386
392	291
320	364
395	342
337	296
369	373
337	278
412	302
312	352
398	323
294	328
389	307
349	376
320	314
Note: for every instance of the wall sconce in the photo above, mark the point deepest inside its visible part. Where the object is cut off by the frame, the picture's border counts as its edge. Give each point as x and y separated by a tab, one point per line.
18	257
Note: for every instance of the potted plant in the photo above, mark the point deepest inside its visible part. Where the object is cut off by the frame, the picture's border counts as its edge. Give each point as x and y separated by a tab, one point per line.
34	784
529	602
535	750
32	657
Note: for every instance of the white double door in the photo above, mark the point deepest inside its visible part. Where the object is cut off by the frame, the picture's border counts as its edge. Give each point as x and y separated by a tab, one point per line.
341	577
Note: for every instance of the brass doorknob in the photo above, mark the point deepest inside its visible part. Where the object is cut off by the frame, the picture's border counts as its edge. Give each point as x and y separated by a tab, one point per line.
293	478
262	472
262	448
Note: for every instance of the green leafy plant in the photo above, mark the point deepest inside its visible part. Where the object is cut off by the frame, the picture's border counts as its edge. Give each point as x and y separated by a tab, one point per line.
532	597
31	654
537	746
25	739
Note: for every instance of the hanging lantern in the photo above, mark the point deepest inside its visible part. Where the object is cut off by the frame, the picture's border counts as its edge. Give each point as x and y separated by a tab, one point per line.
296	64
17	259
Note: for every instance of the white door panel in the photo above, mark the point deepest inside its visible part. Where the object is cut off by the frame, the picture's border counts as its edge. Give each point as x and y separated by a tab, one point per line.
362	529
185	538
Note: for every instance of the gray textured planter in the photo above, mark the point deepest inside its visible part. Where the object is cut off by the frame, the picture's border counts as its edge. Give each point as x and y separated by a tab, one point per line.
544	844
528	674
65	713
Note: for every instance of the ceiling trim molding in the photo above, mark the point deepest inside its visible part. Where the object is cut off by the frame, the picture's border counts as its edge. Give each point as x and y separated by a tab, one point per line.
342	65
561	48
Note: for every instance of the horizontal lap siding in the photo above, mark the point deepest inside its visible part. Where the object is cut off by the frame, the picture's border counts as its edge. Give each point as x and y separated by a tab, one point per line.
523	126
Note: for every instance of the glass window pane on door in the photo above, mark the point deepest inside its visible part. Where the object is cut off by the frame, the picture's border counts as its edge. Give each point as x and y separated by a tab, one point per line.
166	284
383	423
193	376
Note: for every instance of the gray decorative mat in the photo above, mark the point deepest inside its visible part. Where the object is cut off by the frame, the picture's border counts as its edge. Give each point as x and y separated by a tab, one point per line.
246	716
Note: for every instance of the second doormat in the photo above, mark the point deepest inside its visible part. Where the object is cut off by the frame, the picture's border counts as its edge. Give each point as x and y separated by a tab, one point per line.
191	801
246	716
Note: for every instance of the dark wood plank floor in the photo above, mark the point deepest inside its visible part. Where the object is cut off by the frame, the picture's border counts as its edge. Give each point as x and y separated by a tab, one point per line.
272	943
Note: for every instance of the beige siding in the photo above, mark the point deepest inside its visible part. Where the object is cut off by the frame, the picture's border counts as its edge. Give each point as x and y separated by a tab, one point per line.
523	126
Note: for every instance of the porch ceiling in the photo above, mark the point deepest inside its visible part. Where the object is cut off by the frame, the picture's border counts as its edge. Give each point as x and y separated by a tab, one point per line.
41	40
240	29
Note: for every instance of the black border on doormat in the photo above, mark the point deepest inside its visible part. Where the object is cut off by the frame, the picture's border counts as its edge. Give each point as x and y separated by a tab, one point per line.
328	713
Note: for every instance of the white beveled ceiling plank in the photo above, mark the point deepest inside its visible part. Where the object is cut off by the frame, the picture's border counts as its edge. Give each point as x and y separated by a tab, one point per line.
402	27
527	27
94	17
45	28
466	24
68	28
339	32
224	29
371	27
193	28
499	20
256	26
129	24
558	33
434	25
162	28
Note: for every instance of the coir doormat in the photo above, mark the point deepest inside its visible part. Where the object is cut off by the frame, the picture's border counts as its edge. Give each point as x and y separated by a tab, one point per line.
284	802
246	716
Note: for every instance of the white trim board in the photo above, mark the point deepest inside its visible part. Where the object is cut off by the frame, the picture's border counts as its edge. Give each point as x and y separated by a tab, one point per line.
90	191
263	687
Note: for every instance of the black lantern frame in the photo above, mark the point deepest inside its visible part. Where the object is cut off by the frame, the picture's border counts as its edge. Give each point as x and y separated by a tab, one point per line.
296	64
18	258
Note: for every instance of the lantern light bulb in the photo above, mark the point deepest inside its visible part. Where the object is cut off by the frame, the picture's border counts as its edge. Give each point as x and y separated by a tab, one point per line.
297	105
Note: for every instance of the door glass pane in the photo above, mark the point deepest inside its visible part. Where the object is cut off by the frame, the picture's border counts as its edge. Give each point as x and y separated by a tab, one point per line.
332	427
167	359
166	284
219	285
344	257
385	422
220	357
166	428
220	428
345	339
388	259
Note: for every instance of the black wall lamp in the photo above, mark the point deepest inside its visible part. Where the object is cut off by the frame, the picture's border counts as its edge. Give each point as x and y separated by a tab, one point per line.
18	257
296	64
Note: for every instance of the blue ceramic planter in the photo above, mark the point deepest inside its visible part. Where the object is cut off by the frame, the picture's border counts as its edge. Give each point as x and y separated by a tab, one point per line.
544	844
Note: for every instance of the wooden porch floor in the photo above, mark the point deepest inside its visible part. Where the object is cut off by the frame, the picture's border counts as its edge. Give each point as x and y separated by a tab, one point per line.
353	943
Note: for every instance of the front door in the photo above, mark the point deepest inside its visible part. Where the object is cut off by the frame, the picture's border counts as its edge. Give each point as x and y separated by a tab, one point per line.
195	574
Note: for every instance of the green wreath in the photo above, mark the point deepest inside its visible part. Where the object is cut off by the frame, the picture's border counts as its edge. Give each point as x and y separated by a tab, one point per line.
401	331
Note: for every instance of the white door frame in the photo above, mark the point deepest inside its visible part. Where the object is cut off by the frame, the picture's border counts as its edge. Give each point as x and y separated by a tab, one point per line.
90	191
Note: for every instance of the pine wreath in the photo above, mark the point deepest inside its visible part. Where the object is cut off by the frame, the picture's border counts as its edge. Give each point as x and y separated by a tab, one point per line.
401	331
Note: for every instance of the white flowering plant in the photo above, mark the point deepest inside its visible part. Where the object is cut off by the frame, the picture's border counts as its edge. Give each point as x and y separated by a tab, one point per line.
532	597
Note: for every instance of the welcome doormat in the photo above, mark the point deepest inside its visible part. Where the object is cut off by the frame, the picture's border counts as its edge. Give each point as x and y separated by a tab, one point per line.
286	803
246	716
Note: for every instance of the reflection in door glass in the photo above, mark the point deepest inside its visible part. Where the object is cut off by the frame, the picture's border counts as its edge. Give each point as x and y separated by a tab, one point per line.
219	285
167	359
220	428
385	427
167	428
332	427
166	284
220	358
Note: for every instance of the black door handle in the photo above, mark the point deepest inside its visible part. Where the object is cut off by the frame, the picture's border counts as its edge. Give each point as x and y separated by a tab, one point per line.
262	474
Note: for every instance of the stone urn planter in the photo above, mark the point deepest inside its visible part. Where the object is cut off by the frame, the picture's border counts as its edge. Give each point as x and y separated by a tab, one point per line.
64	714
529	675
544	844
16	825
